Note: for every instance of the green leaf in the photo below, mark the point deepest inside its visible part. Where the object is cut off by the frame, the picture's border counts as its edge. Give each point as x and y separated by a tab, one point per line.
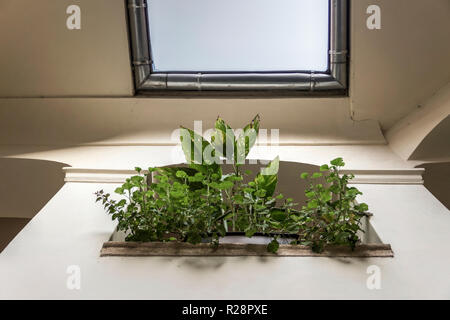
223	139
260	193
273	246
324	167
363	207
238	199
194	238
313	204
249	190
325	196
194	183
278	215
215	185
316	175
272	167
232	177
177	194
192	145
137	179
199	153
198	177
304	175
338	162
149	193
246	140
226	185
310	194
335	189
227	145
119	190
268	177
250	232
222	230
181	174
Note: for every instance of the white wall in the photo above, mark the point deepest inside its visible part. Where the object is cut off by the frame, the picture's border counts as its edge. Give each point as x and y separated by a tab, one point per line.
410	132
392	70
66	96
437	181
41	57
399	67
58	122
72	228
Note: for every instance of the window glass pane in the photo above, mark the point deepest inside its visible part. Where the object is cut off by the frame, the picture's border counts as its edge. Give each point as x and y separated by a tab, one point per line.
239	35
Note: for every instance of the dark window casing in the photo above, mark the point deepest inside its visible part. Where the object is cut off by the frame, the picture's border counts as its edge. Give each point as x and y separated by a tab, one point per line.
333	80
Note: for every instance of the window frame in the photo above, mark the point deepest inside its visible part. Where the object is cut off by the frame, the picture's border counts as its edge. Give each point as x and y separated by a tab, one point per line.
334	80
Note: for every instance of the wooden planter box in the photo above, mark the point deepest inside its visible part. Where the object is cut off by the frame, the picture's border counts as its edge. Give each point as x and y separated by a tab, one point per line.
129	249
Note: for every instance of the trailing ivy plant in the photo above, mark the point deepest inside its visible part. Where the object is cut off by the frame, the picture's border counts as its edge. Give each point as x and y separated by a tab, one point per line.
178	207
331	214
198	202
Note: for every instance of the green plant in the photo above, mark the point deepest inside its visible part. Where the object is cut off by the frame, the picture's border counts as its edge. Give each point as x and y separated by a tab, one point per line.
199	202
193	203
205	156
178	207
331	215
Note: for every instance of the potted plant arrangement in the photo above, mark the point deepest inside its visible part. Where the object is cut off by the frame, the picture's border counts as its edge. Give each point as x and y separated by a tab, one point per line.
198	205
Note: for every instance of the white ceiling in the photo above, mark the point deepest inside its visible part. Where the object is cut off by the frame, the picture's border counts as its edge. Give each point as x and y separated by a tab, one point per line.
393	70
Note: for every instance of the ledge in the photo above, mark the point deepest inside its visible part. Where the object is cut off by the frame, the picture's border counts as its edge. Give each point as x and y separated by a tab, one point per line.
142	249
392	176
97	175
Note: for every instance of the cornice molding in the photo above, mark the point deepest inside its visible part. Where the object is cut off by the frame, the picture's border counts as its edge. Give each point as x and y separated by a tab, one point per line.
362	176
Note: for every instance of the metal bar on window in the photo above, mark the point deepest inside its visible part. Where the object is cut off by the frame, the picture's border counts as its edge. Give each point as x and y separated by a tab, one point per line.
139	41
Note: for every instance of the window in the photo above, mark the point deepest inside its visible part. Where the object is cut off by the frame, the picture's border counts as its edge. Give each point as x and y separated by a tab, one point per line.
235	45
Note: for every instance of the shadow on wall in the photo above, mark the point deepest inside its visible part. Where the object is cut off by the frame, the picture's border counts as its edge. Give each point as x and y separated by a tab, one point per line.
436	144
437	181
289	182
9	228
436	147
26	186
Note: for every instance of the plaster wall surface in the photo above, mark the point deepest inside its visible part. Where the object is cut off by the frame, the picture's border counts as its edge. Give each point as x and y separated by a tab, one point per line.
71	228
67	97
9	228
127	157
424	133
143	121
392	69
437	181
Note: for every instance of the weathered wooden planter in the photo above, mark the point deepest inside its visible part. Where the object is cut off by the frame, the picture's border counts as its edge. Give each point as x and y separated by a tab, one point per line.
118	248
237	244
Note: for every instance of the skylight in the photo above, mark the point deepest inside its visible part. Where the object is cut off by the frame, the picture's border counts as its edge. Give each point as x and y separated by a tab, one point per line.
277	46
236	35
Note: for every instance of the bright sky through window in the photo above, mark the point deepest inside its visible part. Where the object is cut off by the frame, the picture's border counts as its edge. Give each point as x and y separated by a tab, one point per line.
239	35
